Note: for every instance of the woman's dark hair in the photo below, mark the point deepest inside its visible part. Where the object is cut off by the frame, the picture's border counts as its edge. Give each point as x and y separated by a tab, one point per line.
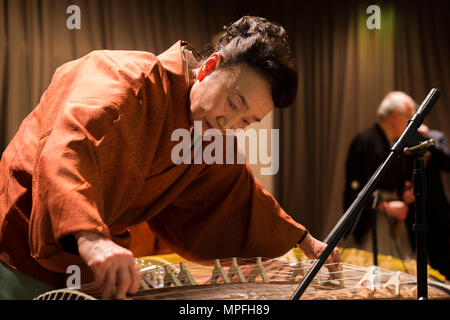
262	45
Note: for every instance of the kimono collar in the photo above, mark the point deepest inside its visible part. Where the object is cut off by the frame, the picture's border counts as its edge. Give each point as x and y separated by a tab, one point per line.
175	62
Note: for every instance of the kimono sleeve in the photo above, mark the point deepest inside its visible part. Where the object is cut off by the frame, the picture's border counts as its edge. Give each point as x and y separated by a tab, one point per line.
88	162
226	212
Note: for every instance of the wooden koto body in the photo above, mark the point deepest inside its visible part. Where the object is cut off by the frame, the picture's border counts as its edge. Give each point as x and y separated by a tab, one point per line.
261	279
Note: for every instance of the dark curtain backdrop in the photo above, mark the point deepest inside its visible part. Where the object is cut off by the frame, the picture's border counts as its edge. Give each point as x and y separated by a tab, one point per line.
34	40
345	70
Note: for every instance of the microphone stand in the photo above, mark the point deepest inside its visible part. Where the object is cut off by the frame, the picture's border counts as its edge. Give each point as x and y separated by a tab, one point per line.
374	227
420	227
407	139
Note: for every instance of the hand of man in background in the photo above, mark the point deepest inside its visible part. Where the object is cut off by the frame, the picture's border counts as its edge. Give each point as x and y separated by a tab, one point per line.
408	193
396	209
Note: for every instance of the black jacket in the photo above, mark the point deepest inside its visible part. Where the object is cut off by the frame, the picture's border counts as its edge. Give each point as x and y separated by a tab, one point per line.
367	152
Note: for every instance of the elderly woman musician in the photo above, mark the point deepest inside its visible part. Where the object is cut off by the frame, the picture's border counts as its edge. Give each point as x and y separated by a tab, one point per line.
94	158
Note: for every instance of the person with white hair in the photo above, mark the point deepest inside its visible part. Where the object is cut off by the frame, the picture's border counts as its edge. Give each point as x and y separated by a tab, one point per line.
394	192
395	109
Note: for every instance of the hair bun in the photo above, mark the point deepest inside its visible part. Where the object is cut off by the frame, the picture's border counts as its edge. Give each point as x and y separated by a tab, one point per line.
252	26
262	45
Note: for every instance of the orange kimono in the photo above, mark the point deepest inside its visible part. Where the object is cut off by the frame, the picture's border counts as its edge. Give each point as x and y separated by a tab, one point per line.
95	154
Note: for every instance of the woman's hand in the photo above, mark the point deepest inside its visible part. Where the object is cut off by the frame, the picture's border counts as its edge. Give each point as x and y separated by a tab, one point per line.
112	264
313	248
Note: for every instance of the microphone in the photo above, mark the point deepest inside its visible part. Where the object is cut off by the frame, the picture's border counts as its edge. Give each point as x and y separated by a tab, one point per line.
416	121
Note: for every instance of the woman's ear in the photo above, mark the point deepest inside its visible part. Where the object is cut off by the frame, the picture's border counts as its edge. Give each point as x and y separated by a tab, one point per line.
208	66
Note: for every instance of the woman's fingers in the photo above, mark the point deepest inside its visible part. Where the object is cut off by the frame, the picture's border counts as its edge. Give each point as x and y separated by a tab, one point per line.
124	276
112	264
110	281
118	278
336	255
100	274
123	282
332	262
135	279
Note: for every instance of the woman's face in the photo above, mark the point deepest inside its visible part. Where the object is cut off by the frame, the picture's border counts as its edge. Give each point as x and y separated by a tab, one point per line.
230	98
